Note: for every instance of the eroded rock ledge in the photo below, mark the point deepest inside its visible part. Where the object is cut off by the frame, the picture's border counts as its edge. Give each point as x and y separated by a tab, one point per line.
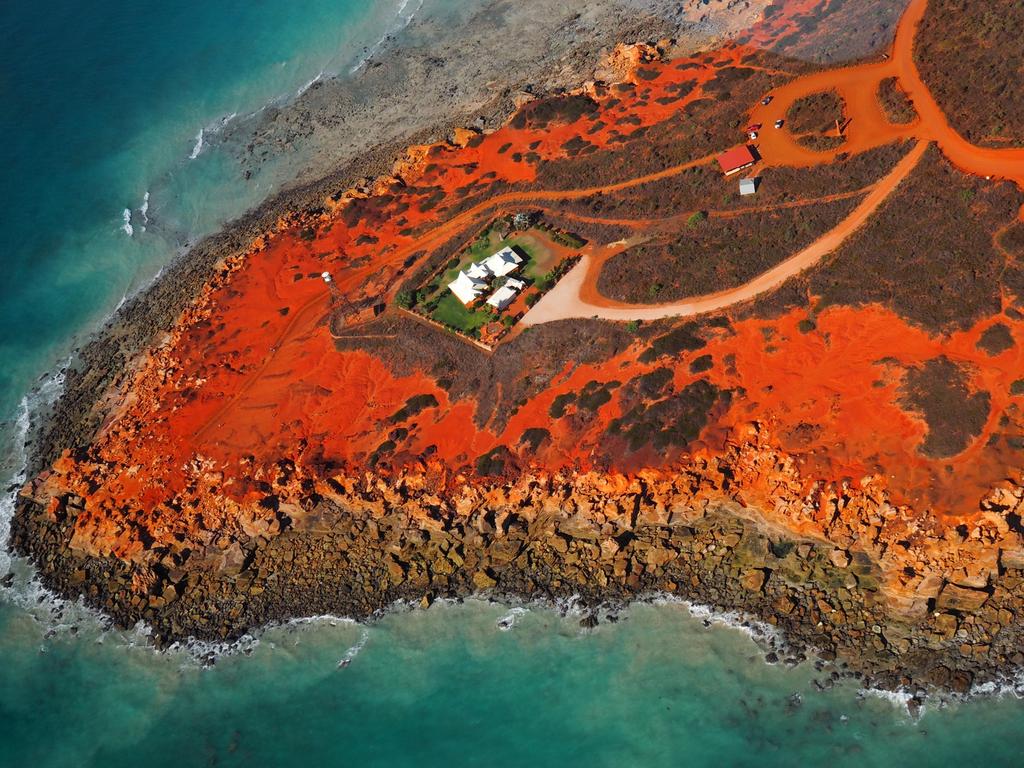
900	597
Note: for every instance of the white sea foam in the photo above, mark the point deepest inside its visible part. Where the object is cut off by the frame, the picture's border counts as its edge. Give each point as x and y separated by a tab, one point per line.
902	700
1010	685
127	226
310	84
510	619
209	130
352	652
144	210
198	146
19	454
758	631
22	586
403	18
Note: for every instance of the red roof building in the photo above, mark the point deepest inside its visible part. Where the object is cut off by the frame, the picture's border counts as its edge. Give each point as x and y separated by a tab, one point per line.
736	159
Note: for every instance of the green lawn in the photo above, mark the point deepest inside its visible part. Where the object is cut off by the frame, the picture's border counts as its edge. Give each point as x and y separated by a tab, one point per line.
451	311
539	261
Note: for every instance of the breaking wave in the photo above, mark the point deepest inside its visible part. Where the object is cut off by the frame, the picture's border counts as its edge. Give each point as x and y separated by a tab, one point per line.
127	225
352	652
198	147
403	18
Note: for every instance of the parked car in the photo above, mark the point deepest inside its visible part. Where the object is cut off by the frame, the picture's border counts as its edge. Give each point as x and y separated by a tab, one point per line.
767	100
779	123
753	135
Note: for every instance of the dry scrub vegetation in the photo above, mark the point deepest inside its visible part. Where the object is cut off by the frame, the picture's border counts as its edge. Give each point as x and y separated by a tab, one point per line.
969	54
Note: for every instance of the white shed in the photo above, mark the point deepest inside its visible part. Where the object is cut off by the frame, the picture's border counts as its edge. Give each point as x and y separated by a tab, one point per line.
748	186
505	295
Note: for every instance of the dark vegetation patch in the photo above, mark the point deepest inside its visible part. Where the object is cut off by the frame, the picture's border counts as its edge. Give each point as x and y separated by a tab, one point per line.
413	406
996	339
380	452
494	462
968	53
560	403
588	400
650	385
955	416
894	100
716	254
533	438
927	254
816	113
541	113
673	421
578	145
685	338
370	210
702	363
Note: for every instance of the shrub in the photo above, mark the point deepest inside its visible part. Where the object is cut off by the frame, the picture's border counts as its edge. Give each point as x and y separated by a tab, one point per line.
406	298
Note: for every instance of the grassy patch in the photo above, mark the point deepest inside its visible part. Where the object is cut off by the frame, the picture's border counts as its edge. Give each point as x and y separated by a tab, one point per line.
453	313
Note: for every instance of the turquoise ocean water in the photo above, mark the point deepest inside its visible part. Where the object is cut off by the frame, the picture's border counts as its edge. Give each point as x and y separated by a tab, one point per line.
104	105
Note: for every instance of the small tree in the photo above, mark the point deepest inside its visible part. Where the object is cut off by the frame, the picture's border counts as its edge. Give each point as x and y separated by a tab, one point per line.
405	298
697	218
633	326
522	221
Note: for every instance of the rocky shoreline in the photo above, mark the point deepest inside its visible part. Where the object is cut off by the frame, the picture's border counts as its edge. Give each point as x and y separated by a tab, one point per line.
354	545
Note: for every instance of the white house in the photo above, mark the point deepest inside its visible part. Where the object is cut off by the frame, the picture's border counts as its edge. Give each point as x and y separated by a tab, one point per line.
467	289
505	295
479	271
504	262
748	187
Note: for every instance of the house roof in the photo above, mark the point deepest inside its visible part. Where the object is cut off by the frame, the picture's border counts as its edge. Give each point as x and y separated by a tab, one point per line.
503	262
736	158
504	296
466	289
479	271
748	186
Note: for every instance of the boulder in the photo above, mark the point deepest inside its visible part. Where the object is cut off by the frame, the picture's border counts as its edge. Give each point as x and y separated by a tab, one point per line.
396	571
840	558
753	580
482	580
961	598
1012	559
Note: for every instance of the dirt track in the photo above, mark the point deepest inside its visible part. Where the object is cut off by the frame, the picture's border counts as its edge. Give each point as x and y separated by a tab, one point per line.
576	295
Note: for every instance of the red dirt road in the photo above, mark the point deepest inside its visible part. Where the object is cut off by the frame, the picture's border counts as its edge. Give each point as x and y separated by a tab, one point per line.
576	295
